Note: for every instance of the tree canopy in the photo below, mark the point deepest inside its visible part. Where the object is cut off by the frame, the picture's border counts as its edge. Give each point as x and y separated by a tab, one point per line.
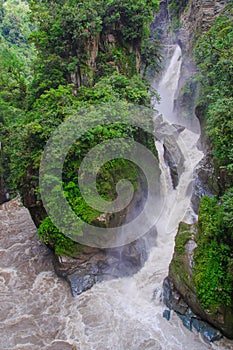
213	256
57	58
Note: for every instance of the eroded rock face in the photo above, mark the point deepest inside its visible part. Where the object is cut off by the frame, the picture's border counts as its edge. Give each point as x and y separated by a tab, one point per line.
160	24
179	289
180	292
94	265
174	301
173	155
198	17
205	181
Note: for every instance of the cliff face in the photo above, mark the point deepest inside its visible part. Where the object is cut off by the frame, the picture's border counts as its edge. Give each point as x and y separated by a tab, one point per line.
179	288
180	291
197	18
101	51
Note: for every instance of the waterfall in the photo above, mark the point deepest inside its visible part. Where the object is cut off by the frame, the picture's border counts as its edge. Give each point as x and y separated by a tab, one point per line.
168	85
38	311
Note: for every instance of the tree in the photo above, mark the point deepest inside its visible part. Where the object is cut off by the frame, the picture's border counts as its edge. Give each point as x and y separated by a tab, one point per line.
88	38
86	55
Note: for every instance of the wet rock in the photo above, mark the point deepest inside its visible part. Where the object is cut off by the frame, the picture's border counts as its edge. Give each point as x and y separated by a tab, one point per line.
170	161
167	314
187	321
198	16
4	197
179	291
209	332
174	301
189	248
80	284
93	265
205	181
179	128
172	298
160	25
173	155
61	345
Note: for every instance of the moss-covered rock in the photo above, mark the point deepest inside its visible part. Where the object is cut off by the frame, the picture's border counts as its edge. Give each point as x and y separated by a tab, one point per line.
183	293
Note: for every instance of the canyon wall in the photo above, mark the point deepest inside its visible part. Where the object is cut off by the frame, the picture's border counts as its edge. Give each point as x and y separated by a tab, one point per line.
179	287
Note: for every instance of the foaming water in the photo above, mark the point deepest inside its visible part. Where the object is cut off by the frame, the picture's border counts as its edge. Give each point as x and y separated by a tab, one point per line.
168	85
38	311
36	306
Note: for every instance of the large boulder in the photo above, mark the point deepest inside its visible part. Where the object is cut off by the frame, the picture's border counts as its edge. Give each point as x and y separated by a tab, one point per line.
93	265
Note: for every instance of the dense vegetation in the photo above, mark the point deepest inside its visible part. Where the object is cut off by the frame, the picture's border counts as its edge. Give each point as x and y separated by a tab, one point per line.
84	41
56	59
16	55
214	255
175	9
16	73
62	56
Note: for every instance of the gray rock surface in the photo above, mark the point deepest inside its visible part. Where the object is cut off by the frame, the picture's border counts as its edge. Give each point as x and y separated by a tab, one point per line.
94	265
190	320
198	16
179	290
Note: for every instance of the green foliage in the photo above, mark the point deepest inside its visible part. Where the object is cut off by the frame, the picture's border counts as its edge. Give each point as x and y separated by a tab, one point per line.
107	178
220	130
213	257
151	56
209	220
61	244
212	279
16	53
13	85
182	238
175	8
214	56
179	266
86	55
131	16
48	74
116	87
14	24
85	40
24	144
227	215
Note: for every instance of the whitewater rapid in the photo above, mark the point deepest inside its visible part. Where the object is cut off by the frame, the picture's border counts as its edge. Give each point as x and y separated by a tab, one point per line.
39	313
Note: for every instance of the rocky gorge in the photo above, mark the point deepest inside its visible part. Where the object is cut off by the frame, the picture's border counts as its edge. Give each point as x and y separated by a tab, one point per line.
141	266
179	292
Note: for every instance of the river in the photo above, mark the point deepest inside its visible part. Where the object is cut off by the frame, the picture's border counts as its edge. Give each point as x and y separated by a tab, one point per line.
37	309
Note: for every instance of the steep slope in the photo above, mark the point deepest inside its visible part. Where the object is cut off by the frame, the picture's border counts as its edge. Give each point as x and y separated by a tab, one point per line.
201	268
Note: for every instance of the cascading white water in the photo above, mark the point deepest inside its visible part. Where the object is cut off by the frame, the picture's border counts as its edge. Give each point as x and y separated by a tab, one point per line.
168	85
123	314
177	201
